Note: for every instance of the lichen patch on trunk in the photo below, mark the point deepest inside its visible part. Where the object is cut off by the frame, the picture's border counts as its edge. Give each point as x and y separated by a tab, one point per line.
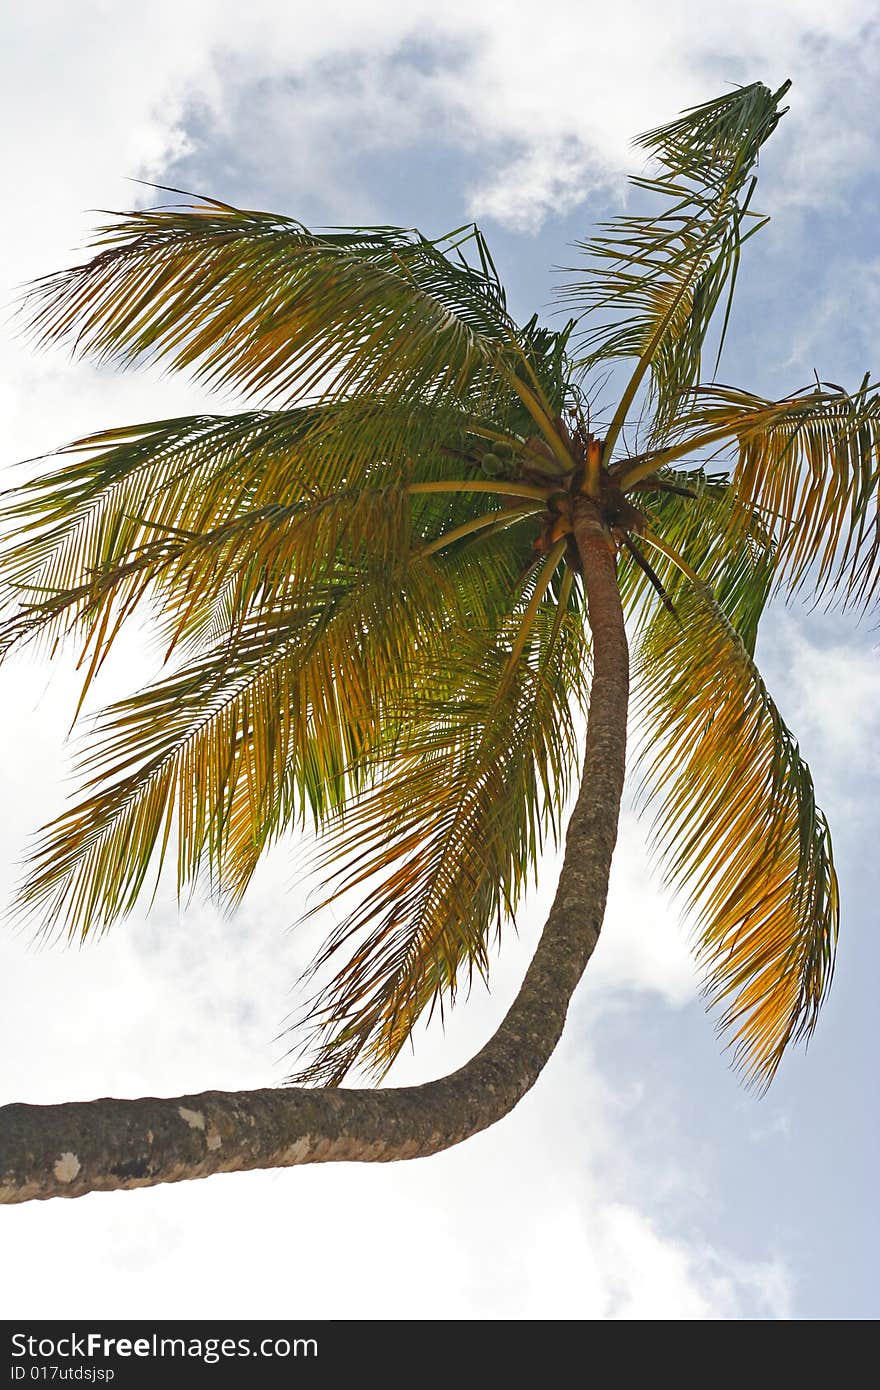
194	1118
66	1167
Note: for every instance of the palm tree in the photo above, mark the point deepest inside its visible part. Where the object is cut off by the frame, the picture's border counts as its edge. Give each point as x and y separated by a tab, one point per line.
389	590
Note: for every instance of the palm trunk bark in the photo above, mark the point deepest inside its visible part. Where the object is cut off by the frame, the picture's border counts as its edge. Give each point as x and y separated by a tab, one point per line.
102	1145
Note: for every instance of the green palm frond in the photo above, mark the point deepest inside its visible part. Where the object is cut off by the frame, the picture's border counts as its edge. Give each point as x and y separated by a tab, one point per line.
96	531
402	644
811	464
283	716
702	521
329	611
254	302
547	354
173	508
443	846
738	831
654	281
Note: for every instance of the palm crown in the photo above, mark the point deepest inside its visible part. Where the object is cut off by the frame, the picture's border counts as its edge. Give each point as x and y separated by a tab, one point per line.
373	597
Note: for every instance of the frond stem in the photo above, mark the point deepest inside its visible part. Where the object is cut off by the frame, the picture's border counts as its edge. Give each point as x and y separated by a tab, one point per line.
489	520
500	487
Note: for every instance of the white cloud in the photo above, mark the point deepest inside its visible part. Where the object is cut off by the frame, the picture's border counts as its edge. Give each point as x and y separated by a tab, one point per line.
829	693
662	1279
840	322
550	178
643	946
565	96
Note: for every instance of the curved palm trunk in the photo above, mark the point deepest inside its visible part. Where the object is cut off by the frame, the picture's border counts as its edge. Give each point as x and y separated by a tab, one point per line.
71	1149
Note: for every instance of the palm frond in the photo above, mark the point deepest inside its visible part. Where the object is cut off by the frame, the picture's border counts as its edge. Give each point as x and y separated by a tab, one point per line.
328	615
738	831
443	845
654	281
173	507
697	514
811	464
290	707
400	646
255	302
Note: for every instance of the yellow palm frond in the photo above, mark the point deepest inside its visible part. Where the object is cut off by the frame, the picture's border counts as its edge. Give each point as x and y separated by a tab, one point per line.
738	831
811	463
278	718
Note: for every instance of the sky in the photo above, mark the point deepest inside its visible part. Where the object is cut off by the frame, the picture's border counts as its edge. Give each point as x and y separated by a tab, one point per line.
638	1180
